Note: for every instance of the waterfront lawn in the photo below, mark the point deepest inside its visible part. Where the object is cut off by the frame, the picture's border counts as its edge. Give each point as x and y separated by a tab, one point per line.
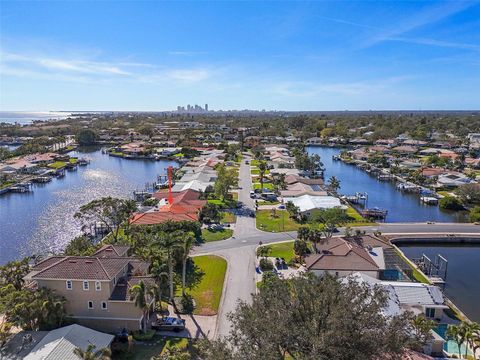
57	165
208	292
228	217
358	220
6	184
216	235
267	186
282	250
282	221
73	160
417	275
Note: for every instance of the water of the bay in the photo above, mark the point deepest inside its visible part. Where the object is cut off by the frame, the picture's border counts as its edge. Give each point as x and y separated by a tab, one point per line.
463	274
402	207
42	221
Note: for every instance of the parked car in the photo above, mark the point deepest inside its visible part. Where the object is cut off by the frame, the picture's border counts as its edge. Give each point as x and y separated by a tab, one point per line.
169	324
281	207
252	194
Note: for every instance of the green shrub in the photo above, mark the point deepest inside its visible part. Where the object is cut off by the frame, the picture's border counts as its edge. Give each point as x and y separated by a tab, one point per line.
266	265
144	336
450	203
475	214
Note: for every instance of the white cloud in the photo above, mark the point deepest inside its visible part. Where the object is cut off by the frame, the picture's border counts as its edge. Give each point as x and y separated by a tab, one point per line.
188	75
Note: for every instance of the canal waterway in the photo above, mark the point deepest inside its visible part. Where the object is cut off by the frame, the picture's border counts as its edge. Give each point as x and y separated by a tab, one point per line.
463	274
402	207
42	221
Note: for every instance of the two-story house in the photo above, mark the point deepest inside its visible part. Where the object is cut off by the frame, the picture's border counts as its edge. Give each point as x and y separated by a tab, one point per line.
97	287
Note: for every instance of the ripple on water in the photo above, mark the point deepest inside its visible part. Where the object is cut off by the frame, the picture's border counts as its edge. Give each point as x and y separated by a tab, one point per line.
42	221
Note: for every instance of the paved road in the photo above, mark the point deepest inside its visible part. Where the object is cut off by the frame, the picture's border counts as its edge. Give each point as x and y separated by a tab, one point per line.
239	250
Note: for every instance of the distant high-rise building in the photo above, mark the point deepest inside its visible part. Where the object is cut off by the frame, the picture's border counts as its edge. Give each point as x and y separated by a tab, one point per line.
206	107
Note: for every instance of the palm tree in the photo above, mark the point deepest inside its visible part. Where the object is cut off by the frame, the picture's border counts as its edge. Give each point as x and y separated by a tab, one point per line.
188	241
159	271
262	169
168	242
334	184
139	294
472	337
264	251
457	334
91	354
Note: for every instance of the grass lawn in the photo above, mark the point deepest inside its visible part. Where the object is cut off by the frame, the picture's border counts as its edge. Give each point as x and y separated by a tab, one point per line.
445	193
223	204
208	293
255	162
359	220
73	160
6	184
57	165
216	235
264	202
228	218
282	250
179	155
158	345
234	196
282	222
268	186
256	171
417	275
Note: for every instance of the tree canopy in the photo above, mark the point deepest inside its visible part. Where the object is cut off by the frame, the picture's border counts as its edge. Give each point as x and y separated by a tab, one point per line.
312	318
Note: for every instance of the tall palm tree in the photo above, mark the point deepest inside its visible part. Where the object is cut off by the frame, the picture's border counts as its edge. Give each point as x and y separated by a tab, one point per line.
457	334
91	354
188	240
334	184
262	170
472	337
139	294
159	271
168	242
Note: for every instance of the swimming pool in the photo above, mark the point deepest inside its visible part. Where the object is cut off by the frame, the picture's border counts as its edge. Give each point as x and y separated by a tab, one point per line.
450	346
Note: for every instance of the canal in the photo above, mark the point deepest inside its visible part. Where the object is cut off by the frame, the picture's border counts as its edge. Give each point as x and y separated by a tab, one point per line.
463	275
42	221
402	207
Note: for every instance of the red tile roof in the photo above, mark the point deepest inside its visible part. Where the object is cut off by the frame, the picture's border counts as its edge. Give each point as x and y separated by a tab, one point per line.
186	205
339	254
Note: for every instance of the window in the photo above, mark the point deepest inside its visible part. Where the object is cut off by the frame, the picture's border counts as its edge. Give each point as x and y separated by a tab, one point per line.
430	312
98	285
114	281
85	285
69	284
104	305
90	304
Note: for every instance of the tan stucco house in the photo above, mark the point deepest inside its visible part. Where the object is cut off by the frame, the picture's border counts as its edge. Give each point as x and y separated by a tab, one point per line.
96	287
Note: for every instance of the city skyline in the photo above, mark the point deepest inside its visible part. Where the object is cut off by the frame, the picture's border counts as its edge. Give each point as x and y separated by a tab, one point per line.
275	56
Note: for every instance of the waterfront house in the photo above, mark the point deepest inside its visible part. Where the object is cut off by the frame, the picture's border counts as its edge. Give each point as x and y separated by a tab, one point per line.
96	287
453	179
418	298
185	207
339	257
308	203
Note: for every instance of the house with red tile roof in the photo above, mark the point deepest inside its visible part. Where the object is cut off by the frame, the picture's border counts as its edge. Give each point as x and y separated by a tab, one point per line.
185	207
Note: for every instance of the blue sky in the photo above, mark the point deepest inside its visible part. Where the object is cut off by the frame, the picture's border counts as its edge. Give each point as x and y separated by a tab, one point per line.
235	55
